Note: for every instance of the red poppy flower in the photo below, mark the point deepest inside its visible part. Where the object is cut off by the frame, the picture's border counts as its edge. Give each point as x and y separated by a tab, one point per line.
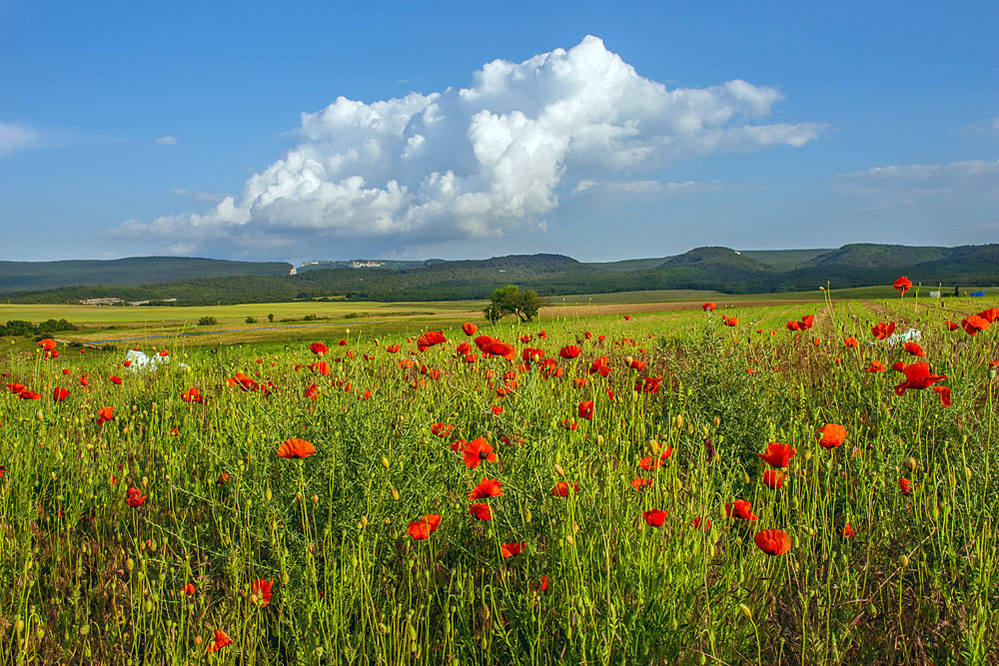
650	463
807	322
47	344
164	352
849	342
730	321
906	486
914	348
192	395
831	435
903	284
655	517
778	455
104	414
708	307
469	328
773	542
219	640
59	394
952	325
486	488
561	489
262	589
429	339
188	590
640	483
441	429
570	351
569	424
422	529
497	409
115	380
499	348
295	448
974	324
543	586
134	498
740	509
477	451
918	376
793	326
601	365
847	531
84	380
876	366
243	382
774	478
511	549
883	330
585	410
318	348
702	523
481	511
944	392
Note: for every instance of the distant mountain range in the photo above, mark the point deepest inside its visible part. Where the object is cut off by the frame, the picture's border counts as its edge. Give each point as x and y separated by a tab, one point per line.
204	281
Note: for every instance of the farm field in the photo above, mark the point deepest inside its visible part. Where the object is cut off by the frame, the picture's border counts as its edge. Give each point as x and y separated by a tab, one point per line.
773	480
127	325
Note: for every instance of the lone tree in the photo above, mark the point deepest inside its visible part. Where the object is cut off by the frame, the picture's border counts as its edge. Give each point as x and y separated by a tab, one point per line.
511	300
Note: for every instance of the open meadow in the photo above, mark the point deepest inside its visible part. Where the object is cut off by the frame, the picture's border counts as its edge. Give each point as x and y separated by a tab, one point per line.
794	478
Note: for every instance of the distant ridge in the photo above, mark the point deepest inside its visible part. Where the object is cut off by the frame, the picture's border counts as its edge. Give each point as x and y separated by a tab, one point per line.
24	275
718	268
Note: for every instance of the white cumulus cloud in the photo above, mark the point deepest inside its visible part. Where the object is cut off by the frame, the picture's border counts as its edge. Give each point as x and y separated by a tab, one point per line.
482	161
167	141
14	137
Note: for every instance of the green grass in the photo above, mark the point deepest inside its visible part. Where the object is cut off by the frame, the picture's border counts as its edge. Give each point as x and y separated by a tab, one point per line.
91	579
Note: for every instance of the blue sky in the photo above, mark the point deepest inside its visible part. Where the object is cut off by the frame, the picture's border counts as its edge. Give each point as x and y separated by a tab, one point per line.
124	128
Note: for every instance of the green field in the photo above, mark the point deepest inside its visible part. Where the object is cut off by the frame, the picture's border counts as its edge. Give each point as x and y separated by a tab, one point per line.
108	323
172	527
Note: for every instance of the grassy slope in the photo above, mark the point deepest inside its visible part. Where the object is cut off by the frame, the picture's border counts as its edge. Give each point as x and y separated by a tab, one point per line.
36	275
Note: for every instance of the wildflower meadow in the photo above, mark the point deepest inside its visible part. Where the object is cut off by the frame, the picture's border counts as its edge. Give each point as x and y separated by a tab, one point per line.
800	484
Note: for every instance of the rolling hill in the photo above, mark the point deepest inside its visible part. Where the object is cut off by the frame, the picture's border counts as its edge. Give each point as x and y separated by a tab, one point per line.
32	275
716	268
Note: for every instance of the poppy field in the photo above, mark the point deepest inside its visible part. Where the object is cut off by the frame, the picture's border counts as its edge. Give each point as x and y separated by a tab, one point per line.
789	483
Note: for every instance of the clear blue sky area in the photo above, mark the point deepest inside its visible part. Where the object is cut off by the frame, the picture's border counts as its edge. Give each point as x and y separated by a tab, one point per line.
471	129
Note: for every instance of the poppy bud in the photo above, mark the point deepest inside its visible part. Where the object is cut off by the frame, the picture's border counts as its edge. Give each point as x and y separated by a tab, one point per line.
903	561
388	521
268	494
911	464
967	474
654	446
385	462
129	564
527	515
395	494
678	421
298	496
285	578
39	415
197	640
600	440
315	499
745	610
559	470
19	624
717	421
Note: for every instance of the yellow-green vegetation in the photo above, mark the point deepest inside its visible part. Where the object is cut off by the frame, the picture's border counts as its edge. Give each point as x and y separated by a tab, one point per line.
278	502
